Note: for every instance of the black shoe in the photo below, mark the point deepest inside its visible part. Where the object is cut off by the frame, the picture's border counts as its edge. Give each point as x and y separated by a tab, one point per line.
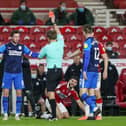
96	112
52	119
91	118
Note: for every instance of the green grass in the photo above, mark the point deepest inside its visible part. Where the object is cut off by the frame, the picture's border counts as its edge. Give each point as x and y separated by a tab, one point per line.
107	121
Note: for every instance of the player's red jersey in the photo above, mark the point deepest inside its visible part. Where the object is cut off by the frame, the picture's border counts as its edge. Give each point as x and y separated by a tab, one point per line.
63	94
101	48
102	51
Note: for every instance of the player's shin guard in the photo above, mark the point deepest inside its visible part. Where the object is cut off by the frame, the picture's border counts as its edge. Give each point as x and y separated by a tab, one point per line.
93	103
86	98
18	104
5	104
53	107
99	103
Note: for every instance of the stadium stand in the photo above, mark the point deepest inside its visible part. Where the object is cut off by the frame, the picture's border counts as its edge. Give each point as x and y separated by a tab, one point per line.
73	36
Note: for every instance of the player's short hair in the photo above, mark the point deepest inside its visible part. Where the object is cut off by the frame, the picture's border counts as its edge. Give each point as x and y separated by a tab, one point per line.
74	77
41	64
14	32
88	29
52	35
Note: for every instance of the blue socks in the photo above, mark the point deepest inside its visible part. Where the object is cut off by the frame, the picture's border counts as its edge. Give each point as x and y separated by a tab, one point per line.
90	100
5	104
18	104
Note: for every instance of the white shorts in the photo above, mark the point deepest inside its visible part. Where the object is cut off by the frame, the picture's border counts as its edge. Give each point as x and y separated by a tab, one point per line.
62	108
98	86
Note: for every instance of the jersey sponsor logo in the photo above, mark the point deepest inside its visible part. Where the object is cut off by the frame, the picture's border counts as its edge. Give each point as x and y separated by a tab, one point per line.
37	83
85	45
20	47
14	53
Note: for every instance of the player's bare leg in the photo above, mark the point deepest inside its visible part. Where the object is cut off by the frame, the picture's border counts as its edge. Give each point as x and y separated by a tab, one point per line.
83	91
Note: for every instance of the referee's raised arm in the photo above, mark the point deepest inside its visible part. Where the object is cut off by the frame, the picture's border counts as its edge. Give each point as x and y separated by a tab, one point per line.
56	28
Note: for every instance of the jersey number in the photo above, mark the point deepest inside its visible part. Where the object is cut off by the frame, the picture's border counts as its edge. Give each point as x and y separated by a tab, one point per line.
96	54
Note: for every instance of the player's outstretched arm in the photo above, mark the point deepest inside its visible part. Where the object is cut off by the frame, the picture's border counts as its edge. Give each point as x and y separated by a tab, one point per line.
2	48
28	52
75	53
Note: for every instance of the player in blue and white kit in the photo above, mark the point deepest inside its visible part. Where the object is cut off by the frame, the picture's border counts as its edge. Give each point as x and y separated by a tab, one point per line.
13	52
89	76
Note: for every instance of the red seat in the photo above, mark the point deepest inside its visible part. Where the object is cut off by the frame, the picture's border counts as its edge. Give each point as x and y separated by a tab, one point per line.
6	38
1	37
120	89
32	45
122	44
73	38
22	29
77	45
49	28
122	4
27	38
104	38
122	53
39	22
119	38
113	30
5	29
68	45
36	30
79	30
123	76
67	30
116	3
124	31
41	38
99	30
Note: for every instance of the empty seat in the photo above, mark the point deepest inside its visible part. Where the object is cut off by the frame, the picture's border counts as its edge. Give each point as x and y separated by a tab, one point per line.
22	29
73	38
119	38
99	30
67	30
41	38
113	30
5	29
27	38
104	38
122	53
36	30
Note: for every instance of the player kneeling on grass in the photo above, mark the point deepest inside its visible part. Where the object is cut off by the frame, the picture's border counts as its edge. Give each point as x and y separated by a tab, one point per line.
65	90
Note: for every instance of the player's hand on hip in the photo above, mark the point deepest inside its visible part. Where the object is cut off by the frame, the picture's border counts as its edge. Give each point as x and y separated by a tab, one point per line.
105	75
85	76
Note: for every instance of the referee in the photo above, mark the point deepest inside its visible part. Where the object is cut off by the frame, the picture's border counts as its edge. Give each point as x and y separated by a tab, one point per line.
53	52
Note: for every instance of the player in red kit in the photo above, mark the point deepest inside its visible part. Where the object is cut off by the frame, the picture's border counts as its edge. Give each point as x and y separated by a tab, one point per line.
63	93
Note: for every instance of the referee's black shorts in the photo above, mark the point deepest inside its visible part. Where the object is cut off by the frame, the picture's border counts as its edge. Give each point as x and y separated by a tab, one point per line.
54	76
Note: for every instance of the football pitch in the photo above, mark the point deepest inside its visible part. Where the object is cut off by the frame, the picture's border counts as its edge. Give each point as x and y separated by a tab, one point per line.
107	121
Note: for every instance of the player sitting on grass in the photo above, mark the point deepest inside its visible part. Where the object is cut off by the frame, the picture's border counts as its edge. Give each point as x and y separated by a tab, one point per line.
64	91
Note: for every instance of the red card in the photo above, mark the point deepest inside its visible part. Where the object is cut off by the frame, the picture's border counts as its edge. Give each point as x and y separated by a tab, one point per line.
51	14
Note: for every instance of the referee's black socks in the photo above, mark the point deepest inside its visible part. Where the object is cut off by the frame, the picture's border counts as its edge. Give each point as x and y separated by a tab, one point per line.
53	107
